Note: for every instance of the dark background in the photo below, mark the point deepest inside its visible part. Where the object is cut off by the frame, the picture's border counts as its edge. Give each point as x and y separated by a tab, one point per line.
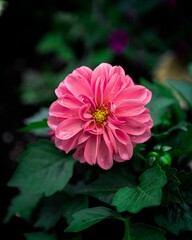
20	30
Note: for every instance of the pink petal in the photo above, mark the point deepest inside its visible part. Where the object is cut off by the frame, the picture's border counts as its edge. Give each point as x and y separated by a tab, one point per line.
83	138
88	100
53	122
84	71
107	139
141	138
91	127
58	143
68	128
129	108
79	154
98	91
136	92
148	97
84	112
70	101
61	90
144	118
139	93
101	74
133	127
112	140
116	69
129	81
78	85
114	86
121	136
57	110
101	71
91	149
104	156
68	145
125	152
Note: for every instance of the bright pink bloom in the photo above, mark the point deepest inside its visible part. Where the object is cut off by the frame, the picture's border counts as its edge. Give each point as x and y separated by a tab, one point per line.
101	114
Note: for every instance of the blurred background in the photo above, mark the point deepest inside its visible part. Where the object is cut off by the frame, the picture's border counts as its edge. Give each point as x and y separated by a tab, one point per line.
41	42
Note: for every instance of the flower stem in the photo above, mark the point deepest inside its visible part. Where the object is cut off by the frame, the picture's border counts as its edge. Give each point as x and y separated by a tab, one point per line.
127	235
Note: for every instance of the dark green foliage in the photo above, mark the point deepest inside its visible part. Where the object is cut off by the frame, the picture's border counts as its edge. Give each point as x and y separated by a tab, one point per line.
60	199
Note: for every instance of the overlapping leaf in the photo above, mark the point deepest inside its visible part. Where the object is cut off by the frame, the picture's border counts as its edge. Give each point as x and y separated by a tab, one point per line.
22	206
90	216
105	187
146	232
42	169
147	194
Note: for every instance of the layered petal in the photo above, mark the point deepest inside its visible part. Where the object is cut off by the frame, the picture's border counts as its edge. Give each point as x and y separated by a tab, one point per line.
100	114
91	149
114	87
84	71
68	128
59	111
70	101
141	138
78	85
53	122
104	156
124	151
128	108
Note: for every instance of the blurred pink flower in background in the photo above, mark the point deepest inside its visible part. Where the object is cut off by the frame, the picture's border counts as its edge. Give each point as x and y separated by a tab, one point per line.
101	114
118	40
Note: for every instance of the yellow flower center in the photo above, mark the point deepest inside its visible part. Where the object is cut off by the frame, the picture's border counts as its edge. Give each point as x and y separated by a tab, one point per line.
100	114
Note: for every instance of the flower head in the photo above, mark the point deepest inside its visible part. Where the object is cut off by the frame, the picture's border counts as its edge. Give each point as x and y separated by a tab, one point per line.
118	40
100	114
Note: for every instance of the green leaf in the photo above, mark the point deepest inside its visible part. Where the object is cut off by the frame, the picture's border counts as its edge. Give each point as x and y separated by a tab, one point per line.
90	216
3	5
181	142
158	108
186	186
33	90
74	204
171	193
101	55
32	127
37	123
175	218
38	116
51	211
105	187
184	88
147	194
162	100
39	236
42	169
54	42
57	206
180	126
141	231
22	206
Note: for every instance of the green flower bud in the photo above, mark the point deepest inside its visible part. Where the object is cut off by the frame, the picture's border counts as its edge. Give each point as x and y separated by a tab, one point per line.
152	157
165	159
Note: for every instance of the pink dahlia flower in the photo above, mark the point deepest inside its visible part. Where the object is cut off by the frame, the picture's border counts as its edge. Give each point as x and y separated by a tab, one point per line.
100	114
